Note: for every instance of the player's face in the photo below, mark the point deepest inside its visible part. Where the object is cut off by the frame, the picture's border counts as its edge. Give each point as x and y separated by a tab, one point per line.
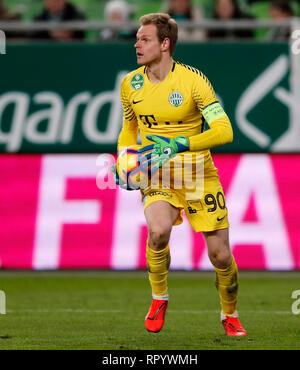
148	47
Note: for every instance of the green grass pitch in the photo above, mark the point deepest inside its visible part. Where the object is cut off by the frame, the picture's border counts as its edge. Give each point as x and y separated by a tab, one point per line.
106	310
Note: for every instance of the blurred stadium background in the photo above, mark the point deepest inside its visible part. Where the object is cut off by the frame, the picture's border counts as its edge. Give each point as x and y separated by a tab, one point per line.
60	117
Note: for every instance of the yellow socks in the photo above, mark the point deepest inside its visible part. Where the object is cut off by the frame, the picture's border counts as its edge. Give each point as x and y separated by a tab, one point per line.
158	263
227	286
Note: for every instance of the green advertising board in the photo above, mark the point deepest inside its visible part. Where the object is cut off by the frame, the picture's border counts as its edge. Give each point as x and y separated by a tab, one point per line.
64	98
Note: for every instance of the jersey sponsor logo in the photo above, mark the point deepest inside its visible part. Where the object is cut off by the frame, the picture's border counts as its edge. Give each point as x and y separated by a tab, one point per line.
137	101
137	81
175	99
148	120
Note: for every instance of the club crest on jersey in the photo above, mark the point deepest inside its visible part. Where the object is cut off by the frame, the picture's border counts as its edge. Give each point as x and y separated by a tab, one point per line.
137	81
175	99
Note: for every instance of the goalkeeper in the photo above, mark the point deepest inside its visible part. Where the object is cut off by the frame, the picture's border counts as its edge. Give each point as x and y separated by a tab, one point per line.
168	103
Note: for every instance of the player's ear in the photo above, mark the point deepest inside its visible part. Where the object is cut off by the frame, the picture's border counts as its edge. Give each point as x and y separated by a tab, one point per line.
165	45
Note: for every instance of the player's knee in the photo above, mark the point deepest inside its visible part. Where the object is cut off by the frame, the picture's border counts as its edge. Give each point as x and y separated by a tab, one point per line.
221	257
158	237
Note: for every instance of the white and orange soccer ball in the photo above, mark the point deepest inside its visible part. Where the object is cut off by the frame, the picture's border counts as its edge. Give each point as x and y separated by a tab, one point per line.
128	166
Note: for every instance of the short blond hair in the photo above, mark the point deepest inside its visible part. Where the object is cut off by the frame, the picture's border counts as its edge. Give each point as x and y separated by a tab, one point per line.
165	25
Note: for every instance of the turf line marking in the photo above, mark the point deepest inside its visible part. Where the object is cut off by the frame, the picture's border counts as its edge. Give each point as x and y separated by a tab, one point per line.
71	310
67	310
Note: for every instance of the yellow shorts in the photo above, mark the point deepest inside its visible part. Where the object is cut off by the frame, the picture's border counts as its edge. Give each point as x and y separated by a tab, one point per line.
207	213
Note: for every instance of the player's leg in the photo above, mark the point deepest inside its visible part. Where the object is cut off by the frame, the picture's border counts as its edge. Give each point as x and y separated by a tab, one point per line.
218	248
226	278
226	271
160	217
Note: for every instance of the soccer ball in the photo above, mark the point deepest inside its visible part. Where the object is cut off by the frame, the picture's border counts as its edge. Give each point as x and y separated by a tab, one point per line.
128	166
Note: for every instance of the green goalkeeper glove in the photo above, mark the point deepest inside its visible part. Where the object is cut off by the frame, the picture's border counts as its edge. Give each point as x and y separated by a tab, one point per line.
163	150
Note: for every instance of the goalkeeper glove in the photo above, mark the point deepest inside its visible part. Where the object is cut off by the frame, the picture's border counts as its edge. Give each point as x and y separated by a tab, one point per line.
117	179
163	150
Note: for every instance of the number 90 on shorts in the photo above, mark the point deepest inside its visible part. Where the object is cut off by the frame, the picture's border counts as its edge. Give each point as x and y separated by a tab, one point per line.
208	213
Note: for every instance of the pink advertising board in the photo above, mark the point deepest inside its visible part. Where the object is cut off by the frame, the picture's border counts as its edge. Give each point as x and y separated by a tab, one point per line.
54	215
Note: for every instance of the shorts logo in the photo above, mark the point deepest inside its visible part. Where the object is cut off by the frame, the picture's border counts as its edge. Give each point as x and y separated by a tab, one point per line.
137	81
175	99
163	193
194	206
192	210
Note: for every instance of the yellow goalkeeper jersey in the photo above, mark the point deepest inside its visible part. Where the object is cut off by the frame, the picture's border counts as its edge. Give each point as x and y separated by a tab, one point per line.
177	106
170	108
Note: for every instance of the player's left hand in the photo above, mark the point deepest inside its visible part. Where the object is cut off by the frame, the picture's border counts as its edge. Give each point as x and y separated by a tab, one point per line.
163	150
117	179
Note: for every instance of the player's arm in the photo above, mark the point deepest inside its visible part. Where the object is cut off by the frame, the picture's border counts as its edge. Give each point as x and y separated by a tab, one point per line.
129	132
128	135
220	131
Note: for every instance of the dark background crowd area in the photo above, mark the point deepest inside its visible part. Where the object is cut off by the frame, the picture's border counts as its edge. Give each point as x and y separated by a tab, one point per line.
115	11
